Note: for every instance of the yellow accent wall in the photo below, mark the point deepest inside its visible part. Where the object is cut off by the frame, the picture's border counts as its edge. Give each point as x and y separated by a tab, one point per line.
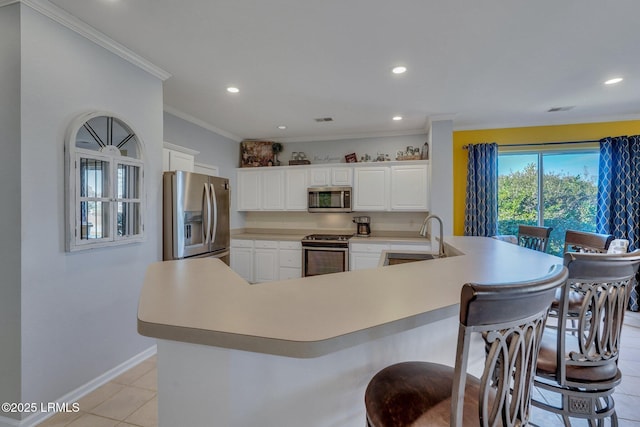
522	135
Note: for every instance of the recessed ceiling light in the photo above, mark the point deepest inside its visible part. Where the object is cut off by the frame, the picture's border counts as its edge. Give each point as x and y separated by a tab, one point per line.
233	89
282	127
613	81
399	69
397	118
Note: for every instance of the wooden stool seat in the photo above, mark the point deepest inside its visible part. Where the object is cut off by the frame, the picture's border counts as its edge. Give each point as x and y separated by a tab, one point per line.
418	394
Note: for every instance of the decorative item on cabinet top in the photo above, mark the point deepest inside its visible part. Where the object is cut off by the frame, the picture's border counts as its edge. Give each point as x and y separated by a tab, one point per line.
259	153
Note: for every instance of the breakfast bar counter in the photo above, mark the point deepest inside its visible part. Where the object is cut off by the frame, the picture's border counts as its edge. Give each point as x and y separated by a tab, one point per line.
301	351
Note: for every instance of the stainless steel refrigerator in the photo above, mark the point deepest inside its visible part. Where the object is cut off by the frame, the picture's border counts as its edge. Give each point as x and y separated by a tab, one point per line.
195	216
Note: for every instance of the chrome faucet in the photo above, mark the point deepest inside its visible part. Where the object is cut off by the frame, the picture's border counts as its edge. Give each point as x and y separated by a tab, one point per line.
423	232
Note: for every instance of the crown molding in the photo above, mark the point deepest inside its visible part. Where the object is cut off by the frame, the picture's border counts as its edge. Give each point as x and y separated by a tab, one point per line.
184	116
74	24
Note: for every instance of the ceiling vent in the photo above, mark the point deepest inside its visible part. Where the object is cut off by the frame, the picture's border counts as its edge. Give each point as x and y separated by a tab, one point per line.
557	109
324	119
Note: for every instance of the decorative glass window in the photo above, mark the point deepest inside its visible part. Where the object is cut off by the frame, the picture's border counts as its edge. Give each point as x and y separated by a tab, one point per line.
105	191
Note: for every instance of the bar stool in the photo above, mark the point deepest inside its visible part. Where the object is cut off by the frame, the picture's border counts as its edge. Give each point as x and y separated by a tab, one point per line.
536	238
581	367
510	317
583	241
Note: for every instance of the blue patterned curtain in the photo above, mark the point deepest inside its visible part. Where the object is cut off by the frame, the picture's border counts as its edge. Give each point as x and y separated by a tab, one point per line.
619	195
481	203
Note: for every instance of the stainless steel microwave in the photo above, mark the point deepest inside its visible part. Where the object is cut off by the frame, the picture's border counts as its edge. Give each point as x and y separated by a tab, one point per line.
329	199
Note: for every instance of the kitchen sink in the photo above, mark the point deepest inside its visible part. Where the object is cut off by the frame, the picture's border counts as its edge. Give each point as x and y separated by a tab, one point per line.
394	258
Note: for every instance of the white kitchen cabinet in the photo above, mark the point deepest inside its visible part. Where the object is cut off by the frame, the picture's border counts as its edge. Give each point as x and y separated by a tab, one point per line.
409	188
290	256
365	255
260	189
248	194
242	258
332	176
272	197
266	264
376	186
426	246
371	188
319	177
178	158
342	176
296	189
206	169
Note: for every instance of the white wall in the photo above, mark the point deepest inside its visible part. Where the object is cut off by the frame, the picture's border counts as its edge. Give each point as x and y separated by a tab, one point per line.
10	205
215	149
441	141
335	222
79	310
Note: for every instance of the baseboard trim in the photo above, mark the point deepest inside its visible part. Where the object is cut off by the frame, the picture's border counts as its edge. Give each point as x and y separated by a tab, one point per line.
81	391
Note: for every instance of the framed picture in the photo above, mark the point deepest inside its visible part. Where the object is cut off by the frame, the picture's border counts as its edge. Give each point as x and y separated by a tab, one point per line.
351	158
256	153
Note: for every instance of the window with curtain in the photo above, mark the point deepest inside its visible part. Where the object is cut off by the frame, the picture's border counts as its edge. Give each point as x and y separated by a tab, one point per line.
553	188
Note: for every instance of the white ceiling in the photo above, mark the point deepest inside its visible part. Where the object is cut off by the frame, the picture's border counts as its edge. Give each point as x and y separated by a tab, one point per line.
484	64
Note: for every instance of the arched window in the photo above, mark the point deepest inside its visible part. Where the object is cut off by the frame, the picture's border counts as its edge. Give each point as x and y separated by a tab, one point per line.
105	177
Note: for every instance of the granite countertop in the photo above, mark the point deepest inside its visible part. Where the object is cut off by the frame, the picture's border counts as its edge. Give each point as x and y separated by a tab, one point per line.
203	301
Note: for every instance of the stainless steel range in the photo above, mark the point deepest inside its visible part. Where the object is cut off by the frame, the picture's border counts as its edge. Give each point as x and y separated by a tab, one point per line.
325	253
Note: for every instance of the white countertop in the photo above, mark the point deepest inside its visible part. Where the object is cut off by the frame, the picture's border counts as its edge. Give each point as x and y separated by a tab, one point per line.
203	301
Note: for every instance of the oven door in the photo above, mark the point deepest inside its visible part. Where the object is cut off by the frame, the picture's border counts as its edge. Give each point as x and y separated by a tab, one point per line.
319	260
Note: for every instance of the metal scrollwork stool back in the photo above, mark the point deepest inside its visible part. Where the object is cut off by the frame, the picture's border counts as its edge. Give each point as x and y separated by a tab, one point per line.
510	317
536	238
578	366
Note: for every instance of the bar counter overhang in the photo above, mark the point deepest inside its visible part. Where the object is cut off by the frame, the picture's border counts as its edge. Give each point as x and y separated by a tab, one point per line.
301	351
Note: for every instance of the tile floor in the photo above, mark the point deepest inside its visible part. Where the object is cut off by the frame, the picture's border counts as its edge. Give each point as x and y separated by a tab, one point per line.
130	400
127	401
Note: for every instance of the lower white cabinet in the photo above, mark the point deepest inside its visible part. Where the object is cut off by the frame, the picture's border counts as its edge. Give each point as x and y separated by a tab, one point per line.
242	258
265	260
260	261
367	255
290	255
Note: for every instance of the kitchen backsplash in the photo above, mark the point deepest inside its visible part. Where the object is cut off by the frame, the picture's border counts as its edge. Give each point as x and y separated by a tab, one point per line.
380	221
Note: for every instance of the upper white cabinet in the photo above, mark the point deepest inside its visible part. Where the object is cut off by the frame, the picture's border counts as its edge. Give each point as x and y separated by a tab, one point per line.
319	177
342	176
376	186
409	188
176	158
272	197
206	169
260	190
371	188
333	176
295	182
248	193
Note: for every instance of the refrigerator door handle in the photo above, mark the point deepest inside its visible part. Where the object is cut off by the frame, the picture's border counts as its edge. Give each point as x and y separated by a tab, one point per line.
206	207
214	224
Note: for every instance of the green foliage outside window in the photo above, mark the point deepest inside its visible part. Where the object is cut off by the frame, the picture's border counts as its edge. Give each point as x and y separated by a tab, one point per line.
569	203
